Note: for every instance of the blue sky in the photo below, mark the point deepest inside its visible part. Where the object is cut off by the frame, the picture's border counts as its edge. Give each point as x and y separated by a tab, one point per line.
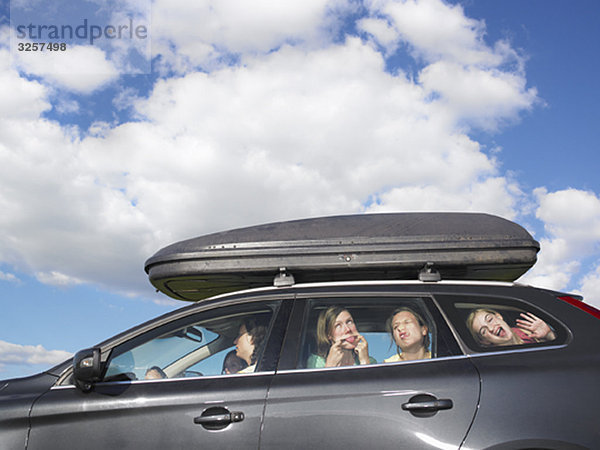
258	113
560	41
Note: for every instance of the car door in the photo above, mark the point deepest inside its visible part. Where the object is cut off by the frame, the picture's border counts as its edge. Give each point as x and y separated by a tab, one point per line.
539	378
428	403
195	404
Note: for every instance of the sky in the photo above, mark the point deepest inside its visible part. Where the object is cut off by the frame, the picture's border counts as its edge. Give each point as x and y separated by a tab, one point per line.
226	113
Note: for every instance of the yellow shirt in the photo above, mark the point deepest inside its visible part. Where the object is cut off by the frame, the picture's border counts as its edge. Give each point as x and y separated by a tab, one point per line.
398	357
248	369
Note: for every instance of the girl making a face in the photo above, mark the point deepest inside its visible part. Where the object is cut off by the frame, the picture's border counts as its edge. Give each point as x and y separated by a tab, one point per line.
489	328
410	334
338	341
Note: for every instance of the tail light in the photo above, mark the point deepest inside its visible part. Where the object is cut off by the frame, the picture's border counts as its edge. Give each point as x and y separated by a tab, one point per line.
578	303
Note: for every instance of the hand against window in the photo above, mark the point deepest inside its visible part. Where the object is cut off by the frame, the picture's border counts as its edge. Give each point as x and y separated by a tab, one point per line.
536	327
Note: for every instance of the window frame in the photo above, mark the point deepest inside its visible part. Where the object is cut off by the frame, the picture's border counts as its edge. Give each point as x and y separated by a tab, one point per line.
457	320
280	308
292	350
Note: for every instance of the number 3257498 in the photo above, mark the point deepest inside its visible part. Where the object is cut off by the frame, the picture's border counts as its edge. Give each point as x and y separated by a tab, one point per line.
41	46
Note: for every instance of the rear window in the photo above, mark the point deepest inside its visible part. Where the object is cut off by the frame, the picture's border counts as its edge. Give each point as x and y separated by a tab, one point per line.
496	323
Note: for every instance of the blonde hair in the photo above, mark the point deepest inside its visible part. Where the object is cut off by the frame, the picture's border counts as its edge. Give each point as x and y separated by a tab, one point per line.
471	318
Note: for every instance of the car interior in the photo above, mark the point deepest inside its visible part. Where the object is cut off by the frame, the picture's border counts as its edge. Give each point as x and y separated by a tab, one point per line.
191	351
370	316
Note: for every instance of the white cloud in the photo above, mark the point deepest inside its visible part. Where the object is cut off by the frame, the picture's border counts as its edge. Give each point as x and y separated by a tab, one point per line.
479	96
66	106
304	127
493	195
437	30
299	131
80	47
24	99
20	99
125	99
82	69
572	222
571	212
381	30
58	218
590	287
55	278
30	354
4	276
484	85
199	34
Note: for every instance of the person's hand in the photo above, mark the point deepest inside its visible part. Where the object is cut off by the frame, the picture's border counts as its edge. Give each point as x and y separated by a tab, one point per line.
362	350
536	327
335	355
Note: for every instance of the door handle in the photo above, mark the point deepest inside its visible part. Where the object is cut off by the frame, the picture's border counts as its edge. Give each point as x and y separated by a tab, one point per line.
218	418
424	405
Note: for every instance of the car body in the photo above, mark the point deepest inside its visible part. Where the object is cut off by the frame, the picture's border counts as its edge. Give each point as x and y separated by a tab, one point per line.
469	394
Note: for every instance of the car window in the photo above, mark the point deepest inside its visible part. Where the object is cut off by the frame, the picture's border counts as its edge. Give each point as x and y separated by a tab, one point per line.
492	324
217	342
362	331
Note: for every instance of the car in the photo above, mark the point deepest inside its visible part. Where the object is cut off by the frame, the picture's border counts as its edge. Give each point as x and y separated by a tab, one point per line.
366	331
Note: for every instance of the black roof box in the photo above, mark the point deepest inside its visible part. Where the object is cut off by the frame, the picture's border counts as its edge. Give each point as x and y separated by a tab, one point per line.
465	246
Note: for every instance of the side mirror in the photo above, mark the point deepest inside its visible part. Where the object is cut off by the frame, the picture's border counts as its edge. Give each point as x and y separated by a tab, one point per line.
87	368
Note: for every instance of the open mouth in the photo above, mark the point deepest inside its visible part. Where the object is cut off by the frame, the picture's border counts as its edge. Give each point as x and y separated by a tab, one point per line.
350	339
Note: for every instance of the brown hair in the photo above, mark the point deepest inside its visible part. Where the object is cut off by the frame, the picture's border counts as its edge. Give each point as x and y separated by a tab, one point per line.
324	328
257	332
